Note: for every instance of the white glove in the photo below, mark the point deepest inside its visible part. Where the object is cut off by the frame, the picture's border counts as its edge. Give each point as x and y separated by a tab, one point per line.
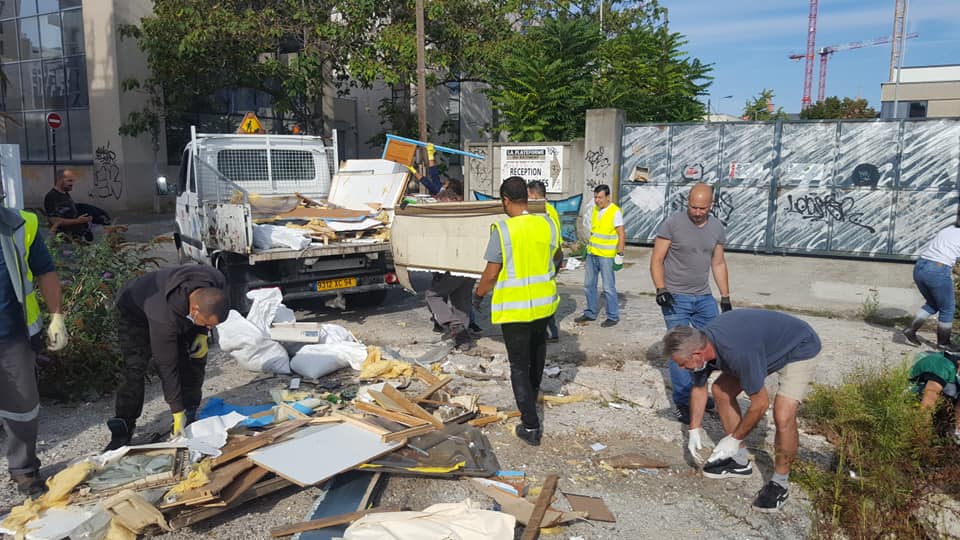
56	333
726	448
695	443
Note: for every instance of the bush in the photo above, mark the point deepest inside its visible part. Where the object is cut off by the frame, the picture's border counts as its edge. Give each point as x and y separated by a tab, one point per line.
887	456
90	275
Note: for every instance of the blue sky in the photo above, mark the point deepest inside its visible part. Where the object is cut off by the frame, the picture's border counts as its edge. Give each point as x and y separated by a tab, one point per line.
748	42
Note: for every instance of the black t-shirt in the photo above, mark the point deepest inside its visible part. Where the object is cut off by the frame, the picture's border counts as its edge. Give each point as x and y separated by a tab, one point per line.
58	204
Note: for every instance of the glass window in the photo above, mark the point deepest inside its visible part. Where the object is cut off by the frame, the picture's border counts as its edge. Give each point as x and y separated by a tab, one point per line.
918	109
13	133
64	4
72	32
8	41
35	124
47	6
29	38
32	77
54	85
27	7
8	9
50	42
10	91
76	82
81	148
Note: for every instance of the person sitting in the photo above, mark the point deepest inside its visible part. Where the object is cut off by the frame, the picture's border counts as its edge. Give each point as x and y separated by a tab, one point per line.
62	212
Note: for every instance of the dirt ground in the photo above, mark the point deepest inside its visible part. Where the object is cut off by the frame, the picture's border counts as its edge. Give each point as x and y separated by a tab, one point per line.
627	408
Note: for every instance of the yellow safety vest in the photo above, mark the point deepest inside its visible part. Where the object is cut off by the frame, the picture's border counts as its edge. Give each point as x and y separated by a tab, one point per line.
525	290
552	212
603	235
20	274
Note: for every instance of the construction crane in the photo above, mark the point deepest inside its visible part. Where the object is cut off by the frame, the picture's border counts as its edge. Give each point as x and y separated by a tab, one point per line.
811	45
825	53
899	21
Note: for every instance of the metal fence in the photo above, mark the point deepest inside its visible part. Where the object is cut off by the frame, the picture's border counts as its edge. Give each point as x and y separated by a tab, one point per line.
856	188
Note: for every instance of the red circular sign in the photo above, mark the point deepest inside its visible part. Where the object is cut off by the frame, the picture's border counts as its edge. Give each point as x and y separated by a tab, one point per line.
54	120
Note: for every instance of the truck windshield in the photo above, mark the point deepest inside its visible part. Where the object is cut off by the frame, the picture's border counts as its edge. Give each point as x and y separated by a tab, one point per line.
247	165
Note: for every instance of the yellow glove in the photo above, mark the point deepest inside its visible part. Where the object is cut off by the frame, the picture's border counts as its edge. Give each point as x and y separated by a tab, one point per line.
199	347
431	151
412	169
179	420
57	333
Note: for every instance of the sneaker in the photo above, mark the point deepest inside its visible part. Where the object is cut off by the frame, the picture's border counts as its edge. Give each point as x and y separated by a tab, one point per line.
437	328
29	484
475	328
583	319
727	468
463	341
529	436
683	414
608	323
770	498
121	431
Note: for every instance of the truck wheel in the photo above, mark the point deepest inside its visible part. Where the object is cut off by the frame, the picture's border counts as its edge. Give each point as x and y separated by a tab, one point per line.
182	257
367	299
236	275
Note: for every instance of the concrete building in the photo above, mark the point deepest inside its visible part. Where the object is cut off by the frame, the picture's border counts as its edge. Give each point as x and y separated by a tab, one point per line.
922	92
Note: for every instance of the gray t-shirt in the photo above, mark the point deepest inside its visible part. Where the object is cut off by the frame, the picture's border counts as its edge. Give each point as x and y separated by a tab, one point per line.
494	253
686	269
753	343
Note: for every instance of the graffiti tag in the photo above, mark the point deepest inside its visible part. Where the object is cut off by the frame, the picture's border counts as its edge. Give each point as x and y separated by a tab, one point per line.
722	208
818	208
599	163
106	174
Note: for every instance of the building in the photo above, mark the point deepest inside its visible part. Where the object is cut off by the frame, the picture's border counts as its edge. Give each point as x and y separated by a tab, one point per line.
922	92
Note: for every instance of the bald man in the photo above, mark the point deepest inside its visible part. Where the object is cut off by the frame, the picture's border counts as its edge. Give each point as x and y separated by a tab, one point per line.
687	247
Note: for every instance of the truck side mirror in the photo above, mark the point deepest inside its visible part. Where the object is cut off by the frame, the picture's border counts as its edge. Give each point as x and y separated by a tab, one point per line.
162	187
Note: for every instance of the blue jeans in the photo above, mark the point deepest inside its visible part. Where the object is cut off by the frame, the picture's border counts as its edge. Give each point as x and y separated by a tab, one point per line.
694	310
602	267
936	285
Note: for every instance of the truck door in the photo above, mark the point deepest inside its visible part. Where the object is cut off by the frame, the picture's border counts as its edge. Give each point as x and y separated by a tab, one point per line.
189	219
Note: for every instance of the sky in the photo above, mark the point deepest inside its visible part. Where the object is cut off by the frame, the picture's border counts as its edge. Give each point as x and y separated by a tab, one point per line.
748	42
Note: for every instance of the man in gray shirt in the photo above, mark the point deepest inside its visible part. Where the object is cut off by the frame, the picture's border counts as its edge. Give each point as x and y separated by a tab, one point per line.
687	247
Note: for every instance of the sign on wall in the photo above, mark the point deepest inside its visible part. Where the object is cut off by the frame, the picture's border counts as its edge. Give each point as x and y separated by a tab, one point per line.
544	163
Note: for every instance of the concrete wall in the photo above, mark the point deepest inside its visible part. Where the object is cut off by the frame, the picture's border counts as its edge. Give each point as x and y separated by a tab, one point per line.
942	97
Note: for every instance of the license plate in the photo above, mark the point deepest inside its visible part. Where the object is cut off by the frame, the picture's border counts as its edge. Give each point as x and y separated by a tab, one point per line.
339	283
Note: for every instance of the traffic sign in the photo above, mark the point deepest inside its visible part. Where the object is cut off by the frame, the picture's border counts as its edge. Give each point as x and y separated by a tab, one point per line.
54	120
250	124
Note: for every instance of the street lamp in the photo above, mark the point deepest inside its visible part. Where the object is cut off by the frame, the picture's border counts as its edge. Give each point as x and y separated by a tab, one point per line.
709	106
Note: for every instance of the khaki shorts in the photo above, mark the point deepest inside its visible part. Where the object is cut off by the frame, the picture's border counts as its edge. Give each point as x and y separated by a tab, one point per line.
795	378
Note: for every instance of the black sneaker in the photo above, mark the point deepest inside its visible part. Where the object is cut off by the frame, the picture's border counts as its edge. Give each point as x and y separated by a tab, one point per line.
770	498
463	341
683	414
727	468
583	319
475	328
121	431
437	328
529	436
607	323
911	336
29	484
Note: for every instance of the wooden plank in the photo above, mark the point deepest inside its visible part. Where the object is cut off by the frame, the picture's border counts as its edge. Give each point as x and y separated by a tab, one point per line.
241	484
368	494
359	422
219	479
190	517
323	523
487	410
532	532
409	432
433	388
384	401
425	375
410	406
400	418
484	420
242	448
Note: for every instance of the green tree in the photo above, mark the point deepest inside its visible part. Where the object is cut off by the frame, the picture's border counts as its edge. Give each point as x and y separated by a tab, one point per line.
833	107
761	108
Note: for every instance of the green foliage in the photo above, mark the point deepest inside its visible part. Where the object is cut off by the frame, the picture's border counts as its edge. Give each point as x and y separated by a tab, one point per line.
761	108
832	107
887	455
90	274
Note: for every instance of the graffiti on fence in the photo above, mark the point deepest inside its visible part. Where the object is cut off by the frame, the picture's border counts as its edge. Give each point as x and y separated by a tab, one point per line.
106	174
722	208
813	207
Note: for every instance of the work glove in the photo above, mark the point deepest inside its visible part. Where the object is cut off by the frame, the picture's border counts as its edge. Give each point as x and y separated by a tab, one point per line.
726	448
431	151
695	443
477	301
179	422
57	333
412	169
725	304
664	298
199	347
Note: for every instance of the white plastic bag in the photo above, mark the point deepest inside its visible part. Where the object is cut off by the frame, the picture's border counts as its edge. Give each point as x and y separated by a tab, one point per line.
275	236
264	306
319	359
252	348
334	333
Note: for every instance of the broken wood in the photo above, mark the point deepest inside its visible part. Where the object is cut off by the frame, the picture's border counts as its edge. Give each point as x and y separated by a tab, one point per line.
400	418
240	484
384	401
218	480
425	375
486	420
359	422
410	406
409	432
241	448
433	388
532	531
323	523
634	460
189	517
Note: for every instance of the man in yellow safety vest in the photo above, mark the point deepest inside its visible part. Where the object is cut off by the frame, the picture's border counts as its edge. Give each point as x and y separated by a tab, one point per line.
523	256
607	241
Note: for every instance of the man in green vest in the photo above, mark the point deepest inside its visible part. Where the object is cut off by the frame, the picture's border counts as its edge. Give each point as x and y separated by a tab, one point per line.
607	241
522	256
25	259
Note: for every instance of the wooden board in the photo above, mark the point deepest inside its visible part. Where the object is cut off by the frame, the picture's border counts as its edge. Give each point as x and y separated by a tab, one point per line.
321	452
409	432
400	418
242	447
219	479
240	485
595	508
433	388
399	152
189	517
410	406
384	401
532	531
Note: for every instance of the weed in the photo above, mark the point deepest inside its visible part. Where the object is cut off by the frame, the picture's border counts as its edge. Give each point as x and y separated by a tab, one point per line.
871	305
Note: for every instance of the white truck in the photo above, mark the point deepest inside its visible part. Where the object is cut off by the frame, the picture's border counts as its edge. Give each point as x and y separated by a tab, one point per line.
226	181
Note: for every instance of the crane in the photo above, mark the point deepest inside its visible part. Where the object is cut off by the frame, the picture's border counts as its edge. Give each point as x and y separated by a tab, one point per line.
825	53
811	46
899	21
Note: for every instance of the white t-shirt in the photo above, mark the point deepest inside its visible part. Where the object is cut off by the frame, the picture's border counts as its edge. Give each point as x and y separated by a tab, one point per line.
617	218
944	248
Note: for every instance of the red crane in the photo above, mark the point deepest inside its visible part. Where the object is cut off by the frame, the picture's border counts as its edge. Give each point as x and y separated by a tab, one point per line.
811	45
825	53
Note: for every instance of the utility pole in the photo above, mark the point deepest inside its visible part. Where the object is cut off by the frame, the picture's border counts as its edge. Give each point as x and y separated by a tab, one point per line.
421	74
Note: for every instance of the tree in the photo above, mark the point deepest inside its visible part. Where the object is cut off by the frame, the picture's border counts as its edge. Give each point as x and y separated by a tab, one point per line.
761	108
833	107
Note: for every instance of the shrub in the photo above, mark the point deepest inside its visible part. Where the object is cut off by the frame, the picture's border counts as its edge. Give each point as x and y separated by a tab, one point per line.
887	456
90	275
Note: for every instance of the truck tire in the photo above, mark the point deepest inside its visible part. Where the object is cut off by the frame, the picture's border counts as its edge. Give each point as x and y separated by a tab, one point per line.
367	299
182	257
236	275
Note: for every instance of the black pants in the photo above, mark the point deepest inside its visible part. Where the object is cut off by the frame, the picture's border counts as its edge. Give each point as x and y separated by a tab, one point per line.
527	351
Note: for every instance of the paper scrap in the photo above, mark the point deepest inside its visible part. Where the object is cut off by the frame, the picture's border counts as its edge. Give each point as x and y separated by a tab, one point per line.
598	446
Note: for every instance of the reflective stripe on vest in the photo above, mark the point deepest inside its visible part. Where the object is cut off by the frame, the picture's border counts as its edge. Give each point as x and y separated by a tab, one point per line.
21	417
525	290
25	236
603	235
